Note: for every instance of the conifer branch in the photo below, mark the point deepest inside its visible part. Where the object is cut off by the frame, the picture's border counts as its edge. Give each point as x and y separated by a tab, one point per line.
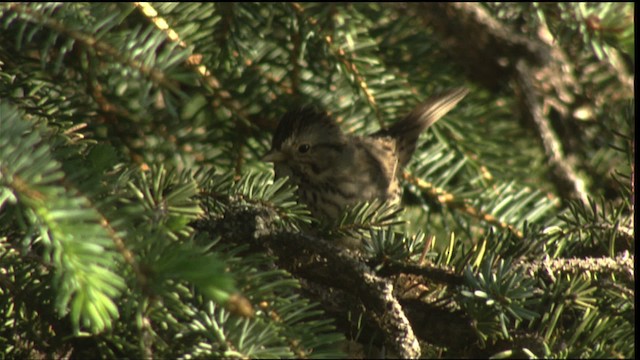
562	172
345	272
194	60
445	198
132	198
467	30
349	65
622	267
537	68
100	47
429	272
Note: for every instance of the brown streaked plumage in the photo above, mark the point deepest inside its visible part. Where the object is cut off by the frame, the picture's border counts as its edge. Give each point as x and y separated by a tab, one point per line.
333	170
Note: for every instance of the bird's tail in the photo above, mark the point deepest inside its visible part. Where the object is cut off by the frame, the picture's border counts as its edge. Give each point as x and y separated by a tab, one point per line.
407	130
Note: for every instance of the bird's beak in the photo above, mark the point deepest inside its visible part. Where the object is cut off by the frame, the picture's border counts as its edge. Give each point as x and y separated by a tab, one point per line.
273	156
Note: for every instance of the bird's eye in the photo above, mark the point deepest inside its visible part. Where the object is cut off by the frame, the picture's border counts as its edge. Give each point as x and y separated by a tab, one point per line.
303	148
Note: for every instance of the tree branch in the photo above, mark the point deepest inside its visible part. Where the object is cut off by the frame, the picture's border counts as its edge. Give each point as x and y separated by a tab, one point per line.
485	49
468	30
562	173
344	283
622	266
324	263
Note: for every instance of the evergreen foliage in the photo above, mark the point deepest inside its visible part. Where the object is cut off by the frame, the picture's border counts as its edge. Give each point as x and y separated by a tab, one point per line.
137	219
